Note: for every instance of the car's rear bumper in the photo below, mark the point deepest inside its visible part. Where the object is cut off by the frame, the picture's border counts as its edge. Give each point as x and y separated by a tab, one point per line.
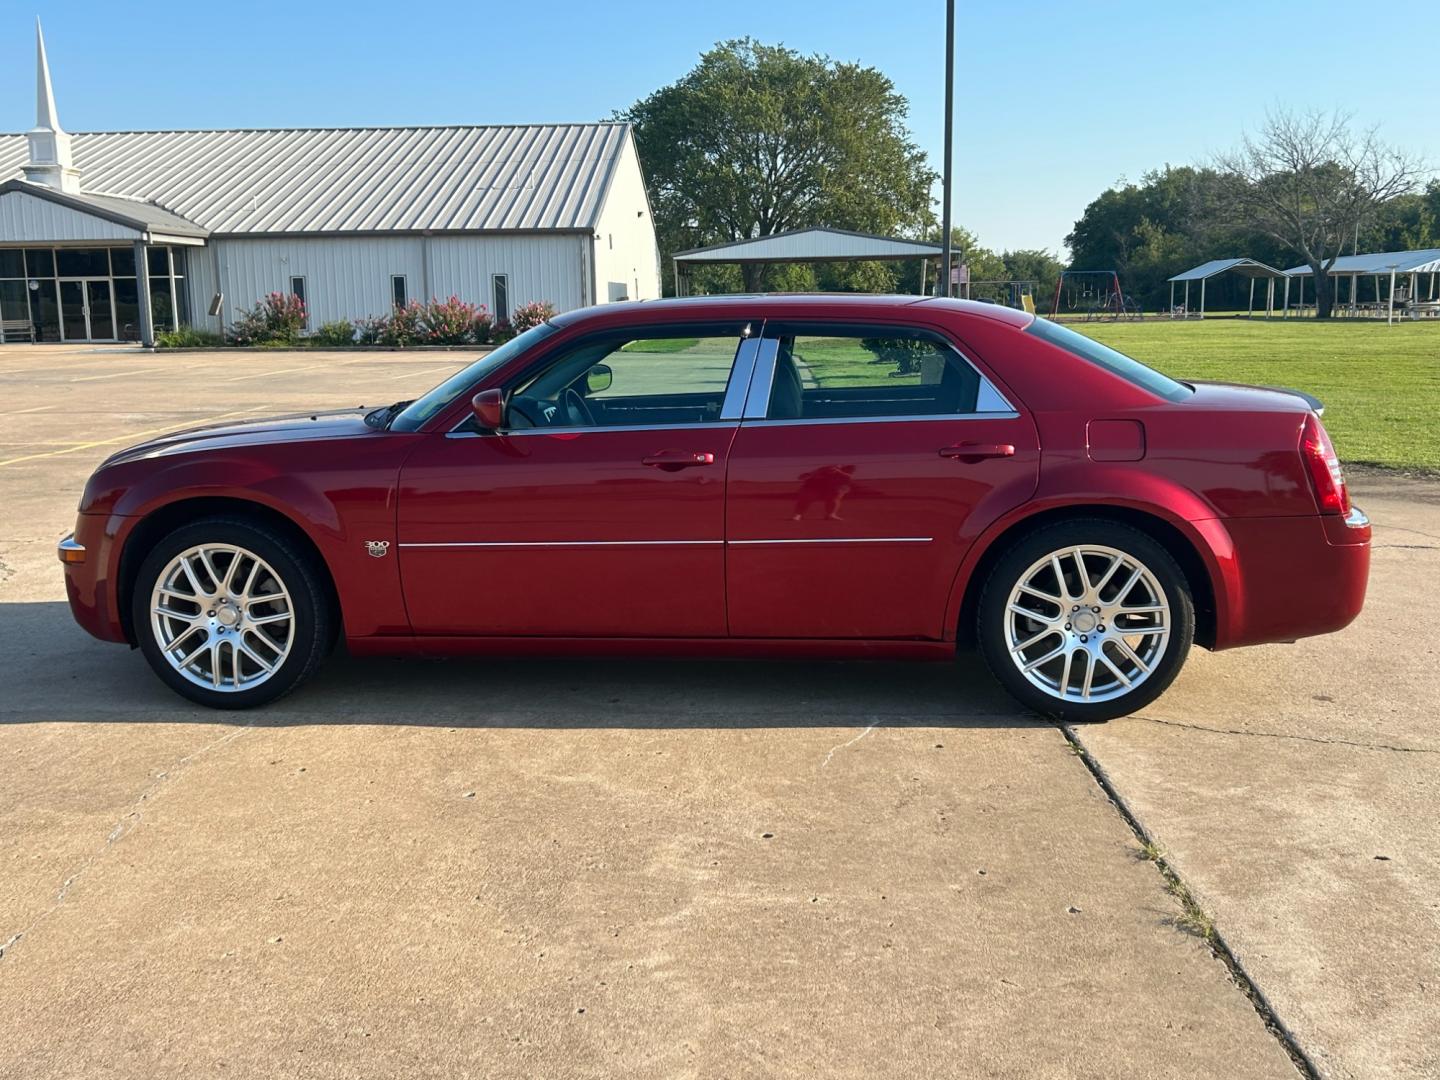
91	582
1293	577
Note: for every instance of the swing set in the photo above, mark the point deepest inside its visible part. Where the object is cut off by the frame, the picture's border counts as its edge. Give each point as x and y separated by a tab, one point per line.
1095	293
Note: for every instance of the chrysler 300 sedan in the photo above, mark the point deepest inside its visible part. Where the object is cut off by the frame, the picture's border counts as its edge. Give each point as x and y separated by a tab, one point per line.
866	477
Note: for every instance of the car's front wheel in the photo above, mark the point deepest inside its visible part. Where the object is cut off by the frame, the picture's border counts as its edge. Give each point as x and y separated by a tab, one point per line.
1086	620
230	613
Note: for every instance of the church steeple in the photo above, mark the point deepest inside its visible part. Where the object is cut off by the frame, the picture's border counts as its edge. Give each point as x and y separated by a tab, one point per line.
50	161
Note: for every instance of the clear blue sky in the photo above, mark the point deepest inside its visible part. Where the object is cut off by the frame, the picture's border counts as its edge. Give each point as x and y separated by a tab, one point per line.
1056	101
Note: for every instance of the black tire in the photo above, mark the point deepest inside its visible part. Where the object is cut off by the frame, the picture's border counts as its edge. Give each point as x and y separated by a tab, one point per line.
991	631
296	569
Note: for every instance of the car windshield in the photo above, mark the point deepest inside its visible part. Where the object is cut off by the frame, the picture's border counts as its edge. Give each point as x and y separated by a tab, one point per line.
1117	363
427	405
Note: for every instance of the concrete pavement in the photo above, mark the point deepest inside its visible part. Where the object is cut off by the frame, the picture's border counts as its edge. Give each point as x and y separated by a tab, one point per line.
672	869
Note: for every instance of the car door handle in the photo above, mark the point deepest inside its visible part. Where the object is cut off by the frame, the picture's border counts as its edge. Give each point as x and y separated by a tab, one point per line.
977	451
678	459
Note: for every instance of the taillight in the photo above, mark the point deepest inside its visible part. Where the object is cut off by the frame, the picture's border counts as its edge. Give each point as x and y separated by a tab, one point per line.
1326	476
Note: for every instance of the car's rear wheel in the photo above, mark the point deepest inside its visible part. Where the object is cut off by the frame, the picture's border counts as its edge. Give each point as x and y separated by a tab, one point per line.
1086	620
230	614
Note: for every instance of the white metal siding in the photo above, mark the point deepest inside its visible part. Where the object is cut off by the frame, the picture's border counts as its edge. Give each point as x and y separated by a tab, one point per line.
625	249
345	277
545	267
24	218
349	277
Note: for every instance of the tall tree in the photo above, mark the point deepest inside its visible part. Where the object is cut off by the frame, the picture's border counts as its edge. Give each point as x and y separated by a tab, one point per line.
1310	181
758	139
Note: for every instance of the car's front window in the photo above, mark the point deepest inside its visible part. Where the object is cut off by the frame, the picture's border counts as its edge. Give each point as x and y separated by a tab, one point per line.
426	406
1117	363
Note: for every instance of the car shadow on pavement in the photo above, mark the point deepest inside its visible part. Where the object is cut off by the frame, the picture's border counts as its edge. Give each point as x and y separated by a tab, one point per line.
56	673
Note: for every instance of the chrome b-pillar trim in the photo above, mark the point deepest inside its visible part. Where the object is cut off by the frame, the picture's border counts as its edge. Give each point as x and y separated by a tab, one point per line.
739	385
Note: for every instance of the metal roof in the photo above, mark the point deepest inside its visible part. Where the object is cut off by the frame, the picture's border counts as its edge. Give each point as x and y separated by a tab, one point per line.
1425	261
818	244
329	180
142	216
1246	267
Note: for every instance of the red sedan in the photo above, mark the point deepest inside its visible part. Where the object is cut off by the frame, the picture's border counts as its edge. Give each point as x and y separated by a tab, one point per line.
775	476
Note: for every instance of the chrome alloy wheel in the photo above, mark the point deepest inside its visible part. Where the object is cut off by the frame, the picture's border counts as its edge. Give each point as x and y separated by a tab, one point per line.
222	617
1087	623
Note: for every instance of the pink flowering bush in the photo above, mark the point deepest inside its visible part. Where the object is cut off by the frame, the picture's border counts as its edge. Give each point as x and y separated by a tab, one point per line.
532	314
275	320
440	322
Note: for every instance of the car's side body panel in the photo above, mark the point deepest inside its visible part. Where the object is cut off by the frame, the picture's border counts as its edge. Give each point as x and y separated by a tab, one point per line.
839	530
538	533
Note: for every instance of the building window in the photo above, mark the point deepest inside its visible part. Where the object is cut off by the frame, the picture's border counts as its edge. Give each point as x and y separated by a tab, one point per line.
398	293
297	289
501	284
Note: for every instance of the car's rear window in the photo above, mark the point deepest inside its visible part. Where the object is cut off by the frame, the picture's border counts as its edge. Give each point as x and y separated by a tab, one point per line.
1117	363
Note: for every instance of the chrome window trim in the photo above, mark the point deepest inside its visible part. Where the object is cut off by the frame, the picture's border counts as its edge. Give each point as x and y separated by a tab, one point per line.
929	418
742	367
708	425
987	393
757	398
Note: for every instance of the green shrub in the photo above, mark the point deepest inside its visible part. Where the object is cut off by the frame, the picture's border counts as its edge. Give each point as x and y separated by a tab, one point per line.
333	334
189	337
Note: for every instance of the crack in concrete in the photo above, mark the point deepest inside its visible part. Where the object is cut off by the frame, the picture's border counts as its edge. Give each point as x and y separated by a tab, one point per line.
1413	532
841	746
128	823
1296	738
1407	547
1219	947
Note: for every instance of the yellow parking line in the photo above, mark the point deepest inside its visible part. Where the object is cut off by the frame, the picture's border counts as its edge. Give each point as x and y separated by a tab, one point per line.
132	436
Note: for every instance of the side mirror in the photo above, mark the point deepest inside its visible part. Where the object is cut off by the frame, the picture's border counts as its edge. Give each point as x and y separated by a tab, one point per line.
489	408
599	378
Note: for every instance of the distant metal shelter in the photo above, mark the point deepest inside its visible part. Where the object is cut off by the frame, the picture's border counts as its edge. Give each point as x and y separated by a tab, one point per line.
1380	264
819	244
1250	268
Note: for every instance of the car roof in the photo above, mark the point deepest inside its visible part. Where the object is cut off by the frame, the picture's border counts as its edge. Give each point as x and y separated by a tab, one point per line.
791	305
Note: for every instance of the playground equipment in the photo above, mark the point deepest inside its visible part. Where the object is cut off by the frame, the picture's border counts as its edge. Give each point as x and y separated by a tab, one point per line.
1096	294
1011	293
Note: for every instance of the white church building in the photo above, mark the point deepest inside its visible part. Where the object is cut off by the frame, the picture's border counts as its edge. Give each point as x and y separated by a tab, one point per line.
114	236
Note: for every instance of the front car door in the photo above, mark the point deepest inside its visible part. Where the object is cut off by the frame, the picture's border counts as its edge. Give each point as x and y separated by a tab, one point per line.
868	459
599	509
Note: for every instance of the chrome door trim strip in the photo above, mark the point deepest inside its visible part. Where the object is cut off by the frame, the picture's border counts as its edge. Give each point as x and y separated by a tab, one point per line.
562	543
842	540
727	425
928	418
664	543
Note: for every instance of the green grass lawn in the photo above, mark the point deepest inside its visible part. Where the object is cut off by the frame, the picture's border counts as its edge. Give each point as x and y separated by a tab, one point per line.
1380	384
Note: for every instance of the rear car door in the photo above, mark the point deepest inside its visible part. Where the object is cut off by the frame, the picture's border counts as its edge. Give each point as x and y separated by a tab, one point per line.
868	459
599	510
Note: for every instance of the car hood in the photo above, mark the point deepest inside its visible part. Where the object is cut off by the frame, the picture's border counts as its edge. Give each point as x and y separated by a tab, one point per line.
297	427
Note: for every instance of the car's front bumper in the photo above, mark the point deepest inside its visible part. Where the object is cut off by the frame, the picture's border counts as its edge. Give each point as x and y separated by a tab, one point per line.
1294	577
91	558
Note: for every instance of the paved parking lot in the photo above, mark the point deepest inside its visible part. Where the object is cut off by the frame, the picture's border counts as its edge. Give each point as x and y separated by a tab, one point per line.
576	869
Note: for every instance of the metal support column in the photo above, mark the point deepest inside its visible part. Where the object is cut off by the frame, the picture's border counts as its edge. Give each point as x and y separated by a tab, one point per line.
949	131
142	283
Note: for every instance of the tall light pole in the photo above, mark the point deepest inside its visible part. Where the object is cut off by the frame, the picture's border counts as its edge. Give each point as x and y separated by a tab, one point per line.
949	130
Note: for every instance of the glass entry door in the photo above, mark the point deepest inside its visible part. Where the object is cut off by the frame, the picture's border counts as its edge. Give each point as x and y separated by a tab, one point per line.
87	312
